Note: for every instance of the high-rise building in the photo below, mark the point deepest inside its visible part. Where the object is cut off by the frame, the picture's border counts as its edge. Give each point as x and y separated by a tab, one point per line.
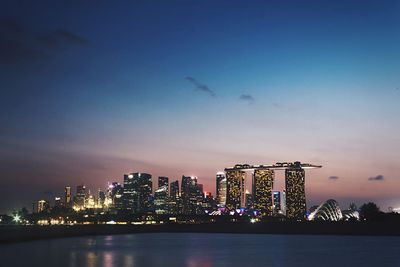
174	198
185	194
161	196
174	192
221	189
235	189
58	203
161	200
80	196
295	192
190	194
42	206
130	193
137	192
101	198
116	196
163	181
68	196
276	197
263	181
145	191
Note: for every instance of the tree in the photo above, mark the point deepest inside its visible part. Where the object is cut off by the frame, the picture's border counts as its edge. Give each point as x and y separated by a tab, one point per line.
369	211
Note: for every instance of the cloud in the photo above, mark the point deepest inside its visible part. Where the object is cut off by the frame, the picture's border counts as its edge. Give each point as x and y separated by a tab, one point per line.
61	37
333	178
247	98
376	178
199	86
21	44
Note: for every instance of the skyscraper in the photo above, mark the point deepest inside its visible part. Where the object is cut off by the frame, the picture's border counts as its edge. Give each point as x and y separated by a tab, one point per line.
80	196
115	195
221	189
58	202
161	200
185	193
130	193
190	194
137	192
234	189
68	196
145	191
276	197
42	206
295	192
161	196
162	181
263	181
174	199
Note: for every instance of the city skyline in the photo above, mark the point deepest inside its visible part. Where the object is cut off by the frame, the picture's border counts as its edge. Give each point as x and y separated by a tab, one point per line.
136	196
92	92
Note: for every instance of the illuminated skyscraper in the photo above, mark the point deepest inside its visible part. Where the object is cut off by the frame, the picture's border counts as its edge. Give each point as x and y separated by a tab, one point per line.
68	196
163	181
145	191
276	196
295	192
80	196
221	189
161	200
58	202
161	196
263	181
101	198
185	194
137	192
42	206
114	197
190	194
234	189
131	193
174	198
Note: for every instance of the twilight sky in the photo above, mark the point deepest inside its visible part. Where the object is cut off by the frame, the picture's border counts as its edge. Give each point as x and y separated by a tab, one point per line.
92	91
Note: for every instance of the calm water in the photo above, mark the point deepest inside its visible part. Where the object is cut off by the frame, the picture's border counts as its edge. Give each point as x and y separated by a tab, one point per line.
206	250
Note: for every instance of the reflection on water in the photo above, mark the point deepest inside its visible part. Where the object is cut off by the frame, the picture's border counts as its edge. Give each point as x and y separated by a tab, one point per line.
204	250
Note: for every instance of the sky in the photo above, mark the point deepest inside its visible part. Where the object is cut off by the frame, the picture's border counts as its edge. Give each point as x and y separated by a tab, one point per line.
90	92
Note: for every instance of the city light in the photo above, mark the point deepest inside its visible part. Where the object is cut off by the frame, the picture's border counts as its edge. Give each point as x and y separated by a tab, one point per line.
17	218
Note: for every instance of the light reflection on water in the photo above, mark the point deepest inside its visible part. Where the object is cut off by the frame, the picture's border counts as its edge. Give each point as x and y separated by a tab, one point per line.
204	250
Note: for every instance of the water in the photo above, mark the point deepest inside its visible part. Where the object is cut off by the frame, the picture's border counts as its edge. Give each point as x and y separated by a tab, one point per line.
205	250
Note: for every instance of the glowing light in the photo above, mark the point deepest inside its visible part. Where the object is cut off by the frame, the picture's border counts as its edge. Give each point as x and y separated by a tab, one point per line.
17	218
252	220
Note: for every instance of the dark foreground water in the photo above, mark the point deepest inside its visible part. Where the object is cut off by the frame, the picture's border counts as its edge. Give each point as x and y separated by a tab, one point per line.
206	250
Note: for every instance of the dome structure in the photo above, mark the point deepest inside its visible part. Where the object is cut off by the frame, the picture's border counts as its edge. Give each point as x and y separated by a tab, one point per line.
327	211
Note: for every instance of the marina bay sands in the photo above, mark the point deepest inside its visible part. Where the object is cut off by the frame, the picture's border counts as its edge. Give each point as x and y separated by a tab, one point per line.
262	188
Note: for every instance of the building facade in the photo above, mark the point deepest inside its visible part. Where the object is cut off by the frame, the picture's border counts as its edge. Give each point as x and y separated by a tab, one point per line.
263	181
221	189
295	192
235	189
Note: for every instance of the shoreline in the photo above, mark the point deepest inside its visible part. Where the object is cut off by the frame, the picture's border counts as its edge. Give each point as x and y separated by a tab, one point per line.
15	234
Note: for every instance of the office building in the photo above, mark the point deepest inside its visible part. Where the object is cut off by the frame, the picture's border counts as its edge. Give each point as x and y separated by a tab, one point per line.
221	189
68	196
42	206
80	196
